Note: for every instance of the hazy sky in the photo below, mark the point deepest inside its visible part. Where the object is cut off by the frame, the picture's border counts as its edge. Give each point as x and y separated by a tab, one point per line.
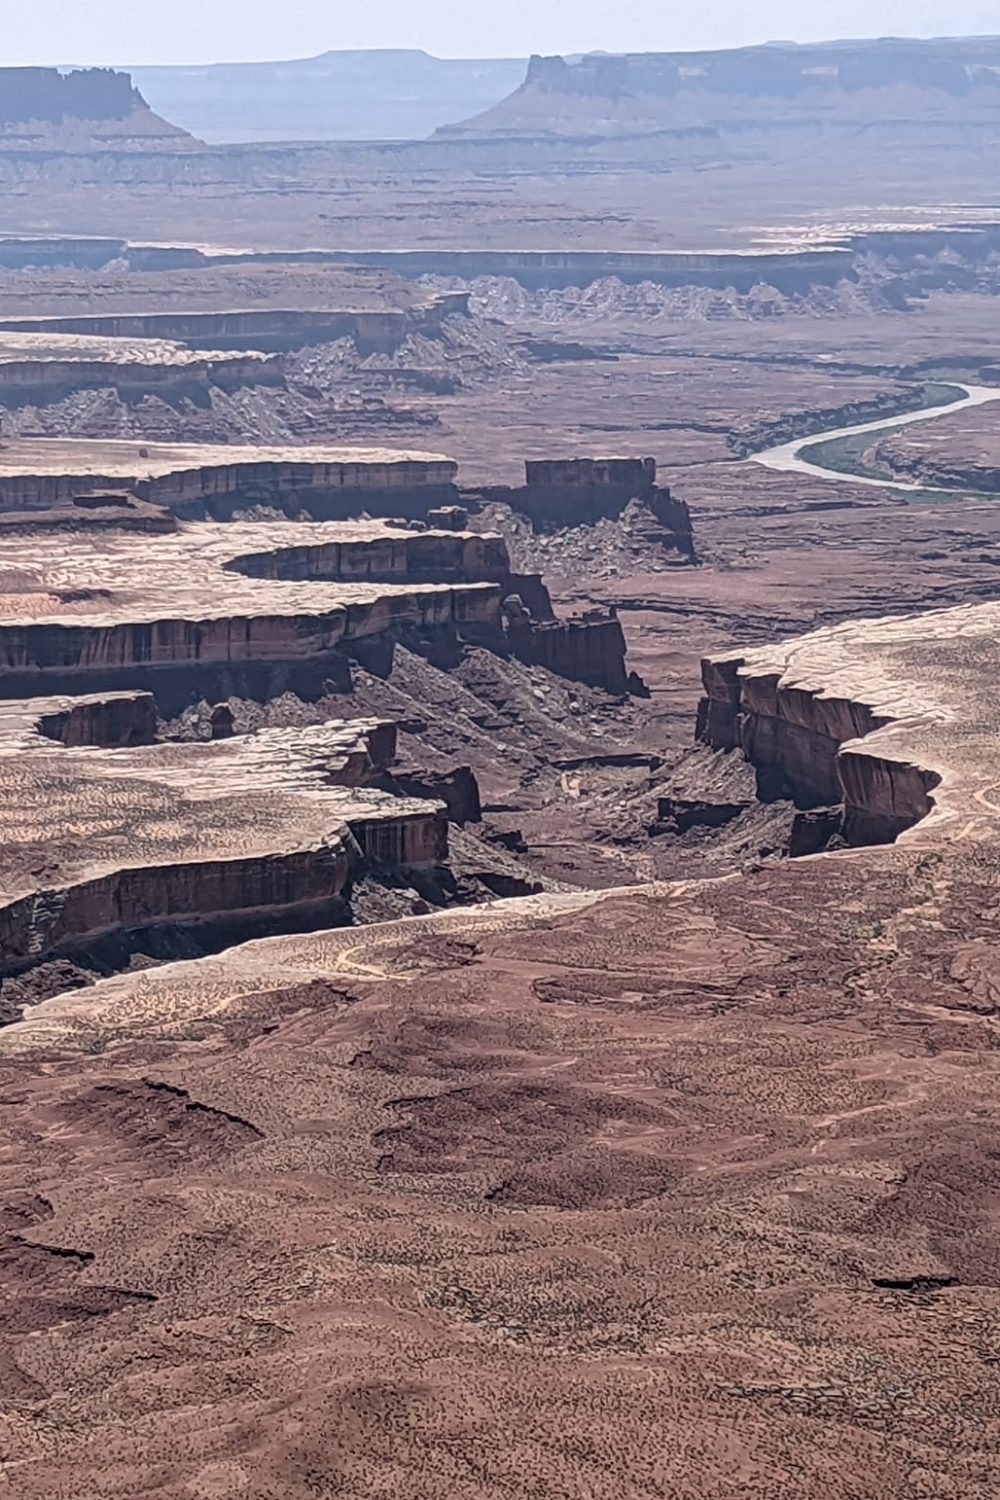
178	31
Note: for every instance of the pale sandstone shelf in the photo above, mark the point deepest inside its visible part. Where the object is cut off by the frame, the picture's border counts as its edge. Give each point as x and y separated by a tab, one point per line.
374	328
95	839
897	718
42	473
40	361
44	346
107	598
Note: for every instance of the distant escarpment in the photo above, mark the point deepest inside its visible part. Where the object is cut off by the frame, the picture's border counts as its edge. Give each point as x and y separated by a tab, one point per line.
844	84
84	110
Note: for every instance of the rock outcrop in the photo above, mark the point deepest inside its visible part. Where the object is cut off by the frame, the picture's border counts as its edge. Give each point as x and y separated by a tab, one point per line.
269	827
375	1188
588	649
780	87
882	726
332	483
128	609
86	109
38	368
560	493
790	271
376	330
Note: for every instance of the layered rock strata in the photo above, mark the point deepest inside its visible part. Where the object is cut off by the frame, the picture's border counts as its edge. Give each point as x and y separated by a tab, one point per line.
588	649
920	690
780	87
788	270
42	252
375	330
559	493
42	367
119	608
337	482
105	832
365	1183
114	611
893	720
87	109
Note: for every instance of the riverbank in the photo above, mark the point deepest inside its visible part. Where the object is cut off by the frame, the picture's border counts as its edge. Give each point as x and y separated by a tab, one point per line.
838	455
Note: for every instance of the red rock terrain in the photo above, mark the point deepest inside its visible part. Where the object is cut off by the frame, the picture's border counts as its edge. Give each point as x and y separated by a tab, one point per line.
692	1186
326	1172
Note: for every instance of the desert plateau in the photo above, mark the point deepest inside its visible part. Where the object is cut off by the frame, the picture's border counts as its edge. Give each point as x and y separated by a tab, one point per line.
499	809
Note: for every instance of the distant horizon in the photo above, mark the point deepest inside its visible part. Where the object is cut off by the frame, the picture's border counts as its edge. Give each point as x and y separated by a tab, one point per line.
566	52
189	33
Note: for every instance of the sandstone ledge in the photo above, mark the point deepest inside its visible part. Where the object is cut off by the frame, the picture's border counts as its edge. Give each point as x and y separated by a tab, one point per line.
374	329
894	718
106	600
100	831
44	366
39	474
919	691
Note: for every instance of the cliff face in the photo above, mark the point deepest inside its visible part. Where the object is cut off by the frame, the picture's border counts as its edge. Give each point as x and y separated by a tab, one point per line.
789	271
272	330
43	94
247	830
953	66
817	746
88	107
590	650
40	368
837	84
329	482
581	491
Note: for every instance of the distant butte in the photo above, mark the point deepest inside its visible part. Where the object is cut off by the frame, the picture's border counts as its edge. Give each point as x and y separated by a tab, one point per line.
84	110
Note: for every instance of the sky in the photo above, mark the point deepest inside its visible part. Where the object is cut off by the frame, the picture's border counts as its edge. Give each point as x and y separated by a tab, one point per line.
198	31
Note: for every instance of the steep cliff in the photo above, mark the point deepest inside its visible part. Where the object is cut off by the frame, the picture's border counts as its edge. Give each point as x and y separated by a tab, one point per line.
42	367
375	330
844	718
86	110
248	830
561	493
198	478
786	87
120	610
590	649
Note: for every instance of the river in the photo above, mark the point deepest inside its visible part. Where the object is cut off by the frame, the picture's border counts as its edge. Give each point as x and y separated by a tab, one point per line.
787	457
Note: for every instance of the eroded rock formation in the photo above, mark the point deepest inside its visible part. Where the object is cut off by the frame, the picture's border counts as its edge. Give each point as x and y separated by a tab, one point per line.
334	482
266	827
560	493
782	86
880	718
114	613
45	367
374	330
92	107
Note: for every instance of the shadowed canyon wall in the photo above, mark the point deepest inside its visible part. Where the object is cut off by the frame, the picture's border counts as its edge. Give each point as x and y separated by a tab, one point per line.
795	739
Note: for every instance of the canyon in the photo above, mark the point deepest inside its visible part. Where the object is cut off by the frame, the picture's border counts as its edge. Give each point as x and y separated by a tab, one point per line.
498	717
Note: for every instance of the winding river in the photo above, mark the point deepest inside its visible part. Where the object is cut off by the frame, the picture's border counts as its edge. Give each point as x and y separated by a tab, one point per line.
788	457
